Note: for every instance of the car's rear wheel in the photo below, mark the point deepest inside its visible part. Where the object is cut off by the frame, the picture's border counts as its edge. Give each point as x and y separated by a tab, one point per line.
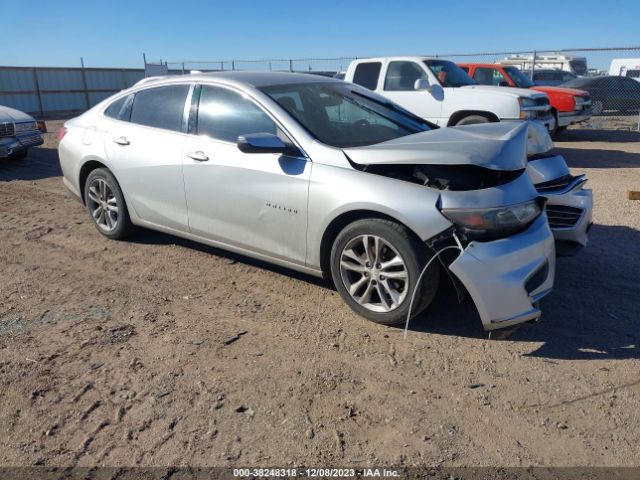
472	119
375	265
106	205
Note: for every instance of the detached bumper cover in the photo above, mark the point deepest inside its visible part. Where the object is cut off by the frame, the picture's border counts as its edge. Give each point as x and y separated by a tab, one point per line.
506	277
569	204
11	145
570	214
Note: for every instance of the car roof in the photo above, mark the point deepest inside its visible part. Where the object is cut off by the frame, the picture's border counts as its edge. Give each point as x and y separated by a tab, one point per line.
481	65
256	79
397	57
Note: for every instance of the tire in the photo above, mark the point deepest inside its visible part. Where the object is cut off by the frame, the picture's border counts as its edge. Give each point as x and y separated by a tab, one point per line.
556	127
597	107
115	225
395	242
472	119
21	155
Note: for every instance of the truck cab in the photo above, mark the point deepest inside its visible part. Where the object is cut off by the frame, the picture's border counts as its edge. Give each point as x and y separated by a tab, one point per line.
441	92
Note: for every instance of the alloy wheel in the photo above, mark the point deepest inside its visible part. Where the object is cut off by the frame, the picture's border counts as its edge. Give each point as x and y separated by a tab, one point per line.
374	273
103	205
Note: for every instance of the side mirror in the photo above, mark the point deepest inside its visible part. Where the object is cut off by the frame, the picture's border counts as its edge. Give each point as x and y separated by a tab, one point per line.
261	143
421	84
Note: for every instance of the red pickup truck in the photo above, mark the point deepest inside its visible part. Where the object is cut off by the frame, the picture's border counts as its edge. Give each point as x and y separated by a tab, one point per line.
567	104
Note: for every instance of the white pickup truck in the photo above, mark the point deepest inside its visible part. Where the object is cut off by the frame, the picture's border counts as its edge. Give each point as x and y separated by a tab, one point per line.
441	92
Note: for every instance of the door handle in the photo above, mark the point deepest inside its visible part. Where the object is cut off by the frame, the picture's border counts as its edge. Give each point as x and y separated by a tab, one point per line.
198	156
121	141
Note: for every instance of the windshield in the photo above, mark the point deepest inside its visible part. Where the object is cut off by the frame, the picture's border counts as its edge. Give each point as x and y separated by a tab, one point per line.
344	115
449	74
519	78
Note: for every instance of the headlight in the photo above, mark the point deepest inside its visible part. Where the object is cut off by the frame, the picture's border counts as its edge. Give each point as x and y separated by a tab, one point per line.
526	103
528	108
485	220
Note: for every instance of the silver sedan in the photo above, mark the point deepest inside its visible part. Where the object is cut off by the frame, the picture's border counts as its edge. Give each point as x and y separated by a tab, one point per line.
323	177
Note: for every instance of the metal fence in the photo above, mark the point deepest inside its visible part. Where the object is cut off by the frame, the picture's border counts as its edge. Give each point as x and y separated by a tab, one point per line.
49	92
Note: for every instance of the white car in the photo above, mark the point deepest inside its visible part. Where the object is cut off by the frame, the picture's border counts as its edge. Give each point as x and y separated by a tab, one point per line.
18	133
441	92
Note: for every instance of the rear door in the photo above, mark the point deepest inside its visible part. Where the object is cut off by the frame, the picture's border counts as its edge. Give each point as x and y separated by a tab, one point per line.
256	201
145	148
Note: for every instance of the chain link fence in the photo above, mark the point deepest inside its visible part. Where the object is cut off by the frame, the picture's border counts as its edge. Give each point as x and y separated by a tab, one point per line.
610	75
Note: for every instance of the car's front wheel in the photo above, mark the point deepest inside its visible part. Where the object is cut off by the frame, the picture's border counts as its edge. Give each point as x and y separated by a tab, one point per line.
106	205
375	264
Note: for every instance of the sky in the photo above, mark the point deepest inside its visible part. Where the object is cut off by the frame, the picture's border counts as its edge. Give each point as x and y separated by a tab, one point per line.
116	33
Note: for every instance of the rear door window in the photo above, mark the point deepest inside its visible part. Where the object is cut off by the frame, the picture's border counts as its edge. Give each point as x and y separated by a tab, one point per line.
367	74
160	107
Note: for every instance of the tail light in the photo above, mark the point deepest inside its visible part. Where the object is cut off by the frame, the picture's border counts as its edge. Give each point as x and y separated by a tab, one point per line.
42	126
62	133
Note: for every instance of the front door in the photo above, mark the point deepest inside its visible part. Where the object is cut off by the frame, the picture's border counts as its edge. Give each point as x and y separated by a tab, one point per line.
257	201
399	86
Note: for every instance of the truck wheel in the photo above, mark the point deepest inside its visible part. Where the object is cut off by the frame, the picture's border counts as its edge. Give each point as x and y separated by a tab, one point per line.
471	119
597	107
556	128
375	265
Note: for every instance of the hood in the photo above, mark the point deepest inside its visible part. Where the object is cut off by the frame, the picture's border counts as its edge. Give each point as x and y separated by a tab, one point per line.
518	92
8	114
497	146
565	90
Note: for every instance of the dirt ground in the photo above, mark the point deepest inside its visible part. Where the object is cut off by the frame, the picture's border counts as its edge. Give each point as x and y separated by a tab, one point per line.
158	351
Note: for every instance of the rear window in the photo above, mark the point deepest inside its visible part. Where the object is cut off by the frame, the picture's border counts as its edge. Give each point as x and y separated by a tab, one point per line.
367	74
160	107
120	109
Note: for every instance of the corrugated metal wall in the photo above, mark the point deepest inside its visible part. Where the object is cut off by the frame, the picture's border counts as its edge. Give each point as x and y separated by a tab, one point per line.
48	92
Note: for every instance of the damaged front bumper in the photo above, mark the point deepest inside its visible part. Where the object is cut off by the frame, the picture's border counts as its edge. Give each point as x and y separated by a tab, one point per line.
507	277
569	204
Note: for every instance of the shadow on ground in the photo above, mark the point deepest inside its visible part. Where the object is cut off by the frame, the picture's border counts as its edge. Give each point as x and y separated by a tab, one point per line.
589	135
598	158
40	163
150	237
576	323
